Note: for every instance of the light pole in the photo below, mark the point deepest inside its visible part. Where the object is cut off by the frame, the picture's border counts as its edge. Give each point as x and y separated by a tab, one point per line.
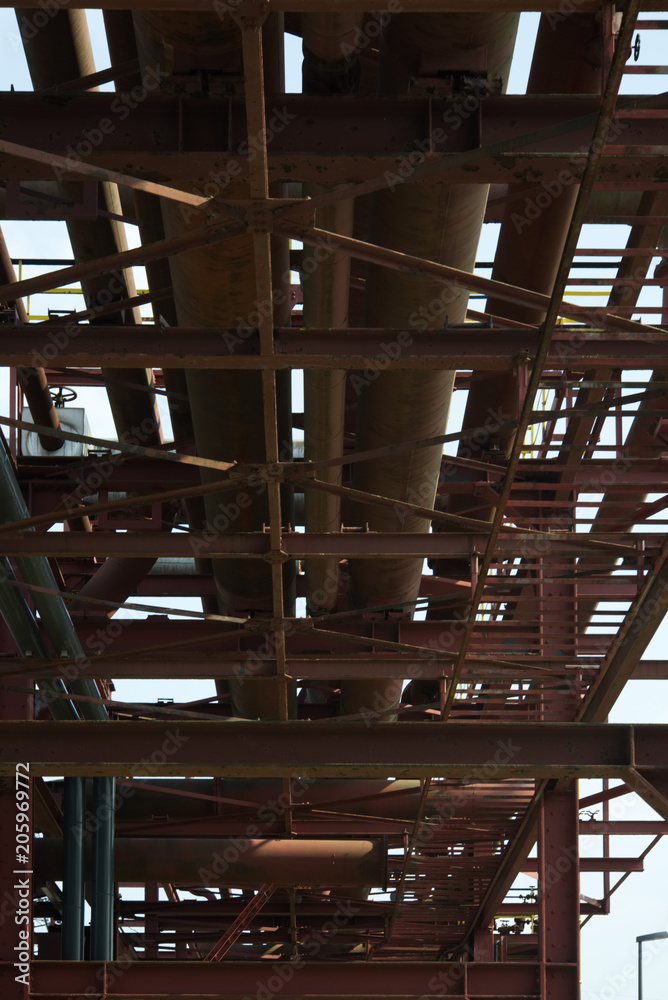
646	937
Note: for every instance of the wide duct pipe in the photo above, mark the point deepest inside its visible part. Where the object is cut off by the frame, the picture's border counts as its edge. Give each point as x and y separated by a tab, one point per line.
216	285
74	881
235	861
102	917
441	222
329	67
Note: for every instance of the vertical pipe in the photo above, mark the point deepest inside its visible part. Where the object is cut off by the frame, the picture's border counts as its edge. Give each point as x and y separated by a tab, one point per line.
73	870
639	969
102	909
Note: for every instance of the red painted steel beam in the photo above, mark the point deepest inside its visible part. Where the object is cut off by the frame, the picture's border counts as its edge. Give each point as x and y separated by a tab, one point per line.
623	827
559	894
346	749
318	979
324	667
611	865
376	133
436	639
338	6
351	349
297	545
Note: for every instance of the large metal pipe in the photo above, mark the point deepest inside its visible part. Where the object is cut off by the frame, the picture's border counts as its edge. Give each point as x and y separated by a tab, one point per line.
236	861
329	67
74	798
214	285
25	632
441	222
102	917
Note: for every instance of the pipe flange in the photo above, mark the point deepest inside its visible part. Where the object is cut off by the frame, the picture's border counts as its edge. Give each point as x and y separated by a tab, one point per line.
245	13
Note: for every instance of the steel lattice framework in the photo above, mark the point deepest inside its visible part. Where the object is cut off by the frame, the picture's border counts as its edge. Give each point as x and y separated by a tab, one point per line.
347	813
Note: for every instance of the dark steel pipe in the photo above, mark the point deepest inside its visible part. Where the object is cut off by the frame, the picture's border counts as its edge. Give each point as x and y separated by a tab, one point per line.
102	922
74	799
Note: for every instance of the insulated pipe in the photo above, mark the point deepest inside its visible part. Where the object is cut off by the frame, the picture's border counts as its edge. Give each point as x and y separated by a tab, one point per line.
326	285
442	223
32	380
234	861
216	285
102	918
74	798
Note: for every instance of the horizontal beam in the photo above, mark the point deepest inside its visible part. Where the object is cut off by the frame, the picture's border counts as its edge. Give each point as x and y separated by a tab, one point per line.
623	827
495	349
295	544
331	980
339	750
339	6
223	665
611	865
308	134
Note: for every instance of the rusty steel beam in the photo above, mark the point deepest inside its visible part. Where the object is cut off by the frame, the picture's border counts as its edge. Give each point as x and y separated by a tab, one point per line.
378	136
325	667
365	750
496	349
333	980
318	6
623	827
297	545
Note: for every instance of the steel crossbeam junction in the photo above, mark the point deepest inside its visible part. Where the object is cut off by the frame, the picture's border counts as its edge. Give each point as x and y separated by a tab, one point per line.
315	603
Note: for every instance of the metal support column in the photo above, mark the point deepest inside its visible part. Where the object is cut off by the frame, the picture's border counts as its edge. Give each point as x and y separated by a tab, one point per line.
102	929
559	894
73	869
